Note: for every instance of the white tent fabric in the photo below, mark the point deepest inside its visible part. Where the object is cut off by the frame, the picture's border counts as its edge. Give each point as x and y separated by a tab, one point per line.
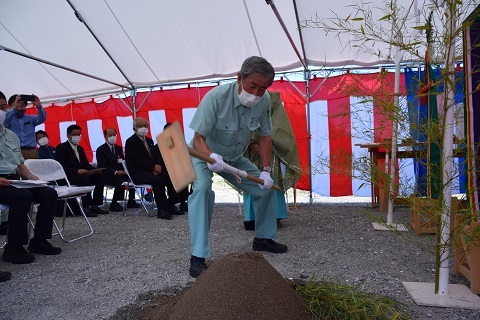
164	41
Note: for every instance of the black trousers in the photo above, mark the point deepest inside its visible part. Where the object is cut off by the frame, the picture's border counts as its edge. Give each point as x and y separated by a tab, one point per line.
118	193
19	201
96	180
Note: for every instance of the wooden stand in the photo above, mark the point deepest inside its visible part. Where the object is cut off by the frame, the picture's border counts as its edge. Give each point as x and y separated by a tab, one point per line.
467	250
424	215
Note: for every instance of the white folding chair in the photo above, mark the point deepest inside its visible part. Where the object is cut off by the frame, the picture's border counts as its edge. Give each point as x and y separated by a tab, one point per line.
52	170
137	187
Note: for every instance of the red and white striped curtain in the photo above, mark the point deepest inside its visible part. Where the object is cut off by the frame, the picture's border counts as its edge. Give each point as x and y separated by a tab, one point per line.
340	117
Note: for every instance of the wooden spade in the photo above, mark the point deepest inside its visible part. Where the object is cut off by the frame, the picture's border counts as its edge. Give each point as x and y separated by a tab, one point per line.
176	155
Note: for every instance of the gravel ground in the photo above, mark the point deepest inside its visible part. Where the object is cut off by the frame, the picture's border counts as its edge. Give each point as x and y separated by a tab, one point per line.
130	258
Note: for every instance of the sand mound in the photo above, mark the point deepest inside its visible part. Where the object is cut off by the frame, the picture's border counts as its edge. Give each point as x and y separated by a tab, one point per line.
240	286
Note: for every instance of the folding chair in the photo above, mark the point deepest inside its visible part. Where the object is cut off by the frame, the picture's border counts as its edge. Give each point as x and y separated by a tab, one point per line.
137	187
52	171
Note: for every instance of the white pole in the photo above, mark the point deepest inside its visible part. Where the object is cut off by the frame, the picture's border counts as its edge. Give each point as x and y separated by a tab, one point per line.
396	103
447	154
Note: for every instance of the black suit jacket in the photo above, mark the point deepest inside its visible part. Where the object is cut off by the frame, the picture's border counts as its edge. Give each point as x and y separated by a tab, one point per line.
67	158
139	162
106	159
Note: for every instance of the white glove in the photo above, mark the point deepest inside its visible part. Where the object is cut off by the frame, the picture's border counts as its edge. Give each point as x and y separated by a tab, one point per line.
267	181
219	165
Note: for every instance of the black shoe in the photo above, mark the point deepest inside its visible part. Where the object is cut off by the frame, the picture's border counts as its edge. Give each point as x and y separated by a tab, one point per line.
98	210
17	255
162	214
197	266
269	245
174	211
43	247
4	228
90	213
184	207
5	276
249	225
115	207
132	204
148	197
279	223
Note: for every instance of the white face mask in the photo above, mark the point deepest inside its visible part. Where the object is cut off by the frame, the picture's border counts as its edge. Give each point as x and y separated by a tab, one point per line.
75	140
142	132
43	141
248	99
3	114
112	140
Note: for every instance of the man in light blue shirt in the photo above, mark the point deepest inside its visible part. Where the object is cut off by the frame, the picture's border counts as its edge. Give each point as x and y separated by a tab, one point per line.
24	124
224	122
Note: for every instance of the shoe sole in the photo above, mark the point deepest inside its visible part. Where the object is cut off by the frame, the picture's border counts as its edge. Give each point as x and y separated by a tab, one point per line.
45	253
257	248
19	262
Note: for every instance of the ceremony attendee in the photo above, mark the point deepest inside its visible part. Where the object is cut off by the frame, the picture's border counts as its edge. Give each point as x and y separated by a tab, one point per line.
224	122
20	200
45	151
110	157
24	124
285	162
3	213
145	167
74	161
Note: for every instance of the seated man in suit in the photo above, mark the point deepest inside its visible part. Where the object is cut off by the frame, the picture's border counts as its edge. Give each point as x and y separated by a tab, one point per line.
74	161
46	151
145	167
110	157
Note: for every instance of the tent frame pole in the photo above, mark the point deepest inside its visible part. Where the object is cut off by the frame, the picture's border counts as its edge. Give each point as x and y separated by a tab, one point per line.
62	67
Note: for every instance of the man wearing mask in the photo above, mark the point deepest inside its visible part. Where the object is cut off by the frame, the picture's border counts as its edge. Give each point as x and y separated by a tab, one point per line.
110	157
145	167
224	123
77	168
23	124
19	201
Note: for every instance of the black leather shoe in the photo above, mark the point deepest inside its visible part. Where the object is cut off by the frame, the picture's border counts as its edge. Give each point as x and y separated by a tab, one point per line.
43	247
5	276
17	255
162	214
98	210
249	225
269	245
90	213
197	266
174	211
115	207
132	204
184	206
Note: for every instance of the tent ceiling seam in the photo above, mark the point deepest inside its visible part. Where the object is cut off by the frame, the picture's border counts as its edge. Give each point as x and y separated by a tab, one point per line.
251	27
82	20
131	41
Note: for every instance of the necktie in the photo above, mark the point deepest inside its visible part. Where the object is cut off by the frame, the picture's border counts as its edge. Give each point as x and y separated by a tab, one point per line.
146	146
113	150
76	152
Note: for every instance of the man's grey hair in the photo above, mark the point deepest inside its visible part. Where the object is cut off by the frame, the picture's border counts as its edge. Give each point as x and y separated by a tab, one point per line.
135	121
257	65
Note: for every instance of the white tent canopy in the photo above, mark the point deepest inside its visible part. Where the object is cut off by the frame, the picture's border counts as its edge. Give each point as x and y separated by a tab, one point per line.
145	43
